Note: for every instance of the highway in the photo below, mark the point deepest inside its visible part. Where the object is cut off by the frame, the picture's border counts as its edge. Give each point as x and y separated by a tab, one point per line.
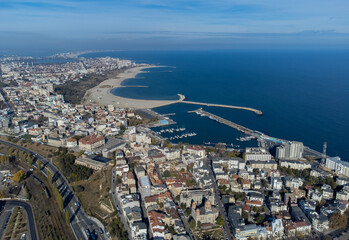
79	220
9	205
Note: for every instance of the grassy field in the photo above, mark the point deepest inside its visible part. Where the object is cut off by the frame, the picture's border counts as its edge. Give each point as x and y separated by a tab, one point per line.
17	225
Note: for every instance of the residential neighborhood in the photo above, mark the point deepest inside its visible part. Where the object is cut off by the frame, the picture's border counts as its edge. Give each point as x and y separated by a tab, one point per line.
165	190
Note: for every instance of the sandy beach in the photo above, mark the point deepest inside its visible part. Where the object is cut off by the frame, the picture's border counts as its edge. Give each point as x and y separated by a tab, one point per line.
101	94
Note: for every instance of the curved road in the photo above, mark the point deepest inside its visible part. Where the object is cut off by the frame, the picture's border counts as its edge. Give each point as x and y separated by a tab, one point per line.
79	220
10	204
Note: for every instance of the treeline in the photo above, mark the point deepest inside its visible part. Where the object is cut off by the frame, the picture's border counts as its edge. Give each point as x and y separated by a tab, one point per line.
4	159
309	180
55	191
21	155
117	229
70	170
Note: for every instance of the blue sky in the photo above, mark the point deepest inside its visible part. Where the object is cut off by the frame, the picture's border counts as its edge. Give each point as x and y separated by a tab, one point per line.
163	24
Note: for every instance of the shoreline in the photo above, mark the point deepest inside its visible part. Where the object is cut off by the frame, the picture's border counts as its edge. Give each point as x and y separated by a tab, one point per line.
101	94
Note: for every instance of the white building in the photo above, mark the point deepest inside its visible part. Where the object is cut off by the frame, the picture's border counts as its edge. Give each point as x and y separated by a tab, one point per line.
276	183
290	150
139	231
257	154
339	167
300	165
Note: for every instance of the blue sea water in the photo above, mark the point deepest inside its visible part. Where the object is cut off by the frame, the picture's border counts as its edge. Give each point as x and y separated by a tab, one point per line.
304	94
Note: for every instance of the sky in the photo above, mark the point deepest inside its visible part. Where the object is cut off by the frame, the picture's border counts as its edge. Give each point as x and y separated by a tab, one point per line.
62	25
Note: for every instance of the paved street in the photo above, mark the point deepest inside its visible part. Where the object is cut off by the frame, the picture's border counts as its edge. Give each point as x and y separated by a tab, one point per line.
220	205
80	221
117	204
8	208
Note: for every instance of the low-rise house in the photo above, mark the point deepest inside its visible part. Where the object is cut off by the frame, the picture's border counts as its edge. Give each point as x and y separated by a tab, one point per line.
254	196
316	196
157	224
319	221
342	195
303	228
327	192
307	206
291	182
246	184
276	183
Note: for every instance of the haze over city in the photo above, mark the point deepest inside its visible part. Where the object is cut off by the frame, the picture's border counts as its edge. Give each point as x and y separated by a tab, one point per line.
152	24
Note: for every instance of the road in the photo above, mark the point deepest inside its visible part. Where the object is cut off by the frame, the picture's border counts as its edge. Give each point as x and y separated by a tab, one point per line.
117	204
79	220
9	205
220	205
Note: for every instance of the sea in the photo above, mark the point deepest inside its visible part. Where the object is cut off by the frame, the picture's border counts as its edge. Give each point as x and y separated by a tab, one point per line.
304	94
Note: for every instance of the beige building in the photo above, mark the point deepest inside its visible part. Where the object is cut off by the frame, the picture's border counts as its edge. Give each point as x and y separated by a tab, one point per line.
93	162
204	214
91	142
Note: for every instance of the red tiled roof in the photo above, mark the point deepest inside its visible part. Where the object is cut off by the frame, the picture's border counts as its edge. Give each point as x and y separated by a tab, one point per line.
91	139
301	224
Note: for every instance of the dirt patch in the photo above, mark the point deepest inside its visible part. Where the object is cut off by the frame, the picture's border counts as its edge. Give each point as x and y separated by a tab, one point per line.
94	195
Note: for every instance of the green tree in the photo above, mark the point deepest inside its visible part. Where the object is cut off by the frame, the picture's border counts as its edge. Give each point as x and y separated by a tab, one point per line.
67	216
220	220
260	218
167	174
190	182
199	225
244	215
188	212
192	224
338	220
19	176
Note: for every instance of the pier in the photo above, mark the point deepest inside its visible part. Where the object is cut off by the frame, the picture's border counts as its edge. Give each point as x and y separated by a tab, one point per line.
182	100
226	122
